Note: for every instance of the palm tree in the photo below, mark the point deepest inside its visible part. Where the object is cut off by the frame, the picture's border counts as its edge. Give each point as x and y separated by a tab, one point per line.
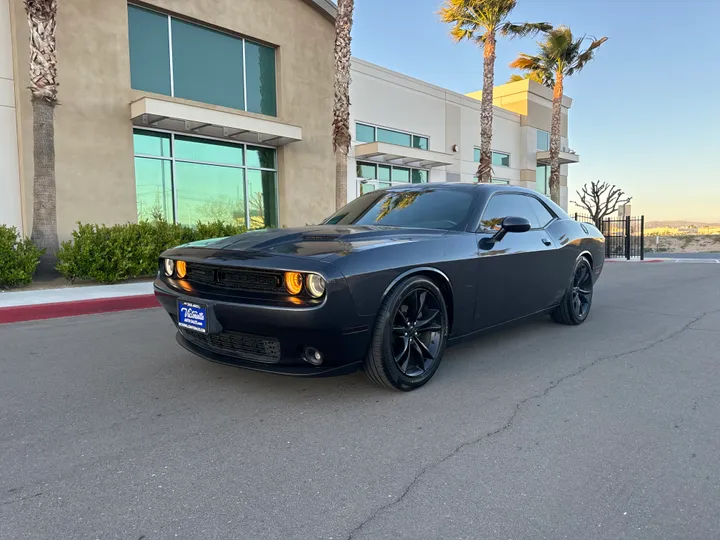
42	17
341	109
480	21
535	76
560	56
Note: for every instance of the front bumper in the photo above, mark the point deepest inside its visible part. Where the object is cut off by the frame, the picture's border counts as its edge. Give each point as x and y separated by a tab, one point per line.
245	332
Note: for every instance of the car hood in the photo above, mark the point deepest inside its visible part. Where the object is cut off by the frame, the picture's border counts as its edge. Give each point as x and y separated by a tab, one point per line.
320	242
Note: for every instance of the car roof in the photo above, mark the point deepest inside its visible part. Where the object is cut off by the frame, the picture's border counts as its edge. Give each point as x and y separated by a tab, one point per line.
486	190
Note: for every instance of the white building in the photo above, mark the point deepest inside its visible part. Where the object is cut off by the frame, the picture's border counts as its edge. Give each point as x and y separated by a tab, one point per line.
408	130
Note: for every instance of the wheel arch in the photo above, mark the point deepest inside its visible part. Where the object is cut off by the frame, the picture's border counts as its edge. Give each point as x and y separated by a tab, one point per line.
587	255
439	278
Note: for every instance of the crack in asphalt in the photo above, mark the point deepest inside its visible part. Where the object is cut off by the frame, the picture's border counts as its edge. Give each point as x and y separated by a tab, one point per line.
511	419
21	499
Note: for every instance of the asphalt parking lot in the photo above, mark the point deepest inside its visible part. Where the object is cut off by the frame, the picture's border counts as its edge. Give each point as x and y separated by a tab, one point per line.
611	430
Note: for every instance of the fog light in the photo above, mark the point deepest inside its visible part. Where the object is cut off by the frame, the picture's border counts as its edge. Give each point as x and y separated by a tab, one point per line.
313	356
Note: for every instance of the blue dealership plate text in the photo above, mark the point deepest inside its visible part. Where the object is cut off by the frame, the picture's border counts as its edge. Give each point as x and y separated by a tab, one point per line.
192	316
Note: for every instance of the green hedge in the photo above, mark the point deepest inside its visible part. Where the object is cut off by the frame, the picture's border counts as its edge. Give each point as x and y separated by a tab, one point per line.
19	258
111	254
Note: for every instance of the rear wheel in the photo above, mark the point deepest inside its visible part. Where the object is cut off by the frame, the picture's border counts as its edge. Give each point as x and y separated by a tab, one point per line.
576	304
409	337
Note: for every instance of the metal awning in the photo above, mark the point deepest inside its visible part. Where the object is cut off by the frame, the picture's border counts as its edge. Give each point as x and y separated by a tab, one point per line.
191	119
402	155
565	158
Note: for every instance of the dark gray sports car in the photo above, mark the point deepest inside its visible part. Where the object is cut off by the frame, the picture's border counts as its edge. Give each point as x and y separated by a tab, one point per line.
384	285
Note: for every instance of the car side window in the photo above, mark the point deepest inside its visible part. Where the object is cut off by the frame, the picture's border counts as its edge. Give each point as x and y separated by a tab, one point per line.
503	205
543	214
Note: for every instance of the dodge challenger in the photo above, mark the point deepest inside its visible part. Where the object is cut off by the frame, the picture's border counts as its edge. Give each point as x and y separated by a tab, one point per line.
383	285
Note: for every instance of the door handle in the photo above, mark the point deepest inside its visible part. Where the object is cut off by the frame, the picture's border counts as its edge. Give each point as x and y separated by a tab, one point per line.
546	242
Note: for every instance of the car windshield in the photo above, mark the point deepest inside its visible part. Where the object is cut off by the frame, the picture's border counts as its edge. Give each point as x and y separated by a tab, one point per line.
426	208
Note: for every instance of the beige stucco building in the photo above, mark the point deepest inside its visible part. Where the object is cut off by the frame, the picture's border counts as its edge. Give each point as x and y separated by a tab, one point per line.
142	85
198	110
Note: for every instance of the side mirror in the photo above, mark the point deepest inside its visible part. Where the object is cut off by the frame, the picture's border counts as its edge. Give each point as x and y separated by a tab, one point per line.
515	225
510	224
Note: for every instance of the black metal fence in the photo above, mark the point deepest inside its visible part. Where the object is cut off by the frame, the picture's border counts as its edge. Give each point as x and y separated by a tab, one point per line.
624	237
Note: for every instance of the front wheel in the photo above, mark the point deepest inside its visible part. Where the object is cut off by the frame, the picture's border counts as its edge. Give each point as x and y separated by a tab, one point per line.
576	304
409	337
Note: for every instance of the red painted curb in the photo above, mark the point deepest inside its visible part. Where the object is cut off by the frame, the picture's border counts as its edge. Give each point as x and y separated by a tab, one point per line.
624	261
80	307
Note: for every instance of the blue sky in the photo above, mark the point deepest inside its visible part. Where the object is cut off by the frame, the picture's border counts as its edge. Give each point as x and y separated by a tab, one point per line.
630	124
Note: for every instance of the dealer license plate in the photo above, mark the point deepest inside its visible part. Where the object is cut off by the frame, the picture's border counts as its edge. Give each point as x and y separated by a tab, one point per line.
193	317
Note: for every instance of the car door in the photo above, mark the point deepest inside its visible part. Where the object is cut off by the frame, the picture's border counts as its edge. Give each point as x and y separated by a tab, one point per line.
514	274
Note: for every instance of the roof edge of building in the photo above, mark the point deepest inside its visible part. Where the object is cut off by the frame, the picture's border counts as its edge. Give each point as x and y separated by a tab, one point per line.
327	7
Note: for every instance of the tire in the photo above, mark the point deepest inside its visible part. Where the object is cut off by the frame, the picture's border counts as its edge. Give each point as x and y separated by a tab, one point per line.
402	355
577	301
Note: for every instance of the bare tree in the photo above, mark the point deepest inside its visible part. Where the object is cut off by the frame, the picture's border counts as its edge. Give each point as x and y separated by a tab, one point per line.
601	200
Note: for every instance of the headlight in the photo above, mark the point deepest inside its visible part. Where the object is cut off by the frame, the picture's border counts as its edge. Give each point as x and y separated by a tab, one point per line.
169	267
315	285
181	269
293	282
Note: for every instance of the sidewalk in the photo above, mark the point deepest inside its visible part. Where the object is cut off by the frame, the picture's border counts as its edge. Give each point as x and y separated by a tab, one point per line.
39	304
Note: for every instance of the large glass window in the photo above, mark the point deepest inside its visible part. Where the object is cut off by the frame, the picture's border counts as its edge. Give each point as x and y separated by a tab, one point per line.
172	57
367	133
429	208
543	141
187	179
542	176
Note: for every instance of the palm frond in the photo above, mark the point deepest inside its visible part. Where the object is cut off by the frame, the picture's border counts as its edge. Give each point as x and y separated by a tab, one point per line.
523	29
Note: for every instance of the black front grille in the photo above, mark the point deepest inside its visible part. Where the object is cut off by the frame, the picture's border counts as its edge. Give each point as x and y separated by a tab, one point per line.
237	345
237	279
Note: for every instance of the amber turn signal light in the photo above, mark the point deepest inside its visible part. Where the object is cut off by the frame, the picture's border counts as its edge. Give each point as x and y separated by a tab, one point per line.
293	282
181	269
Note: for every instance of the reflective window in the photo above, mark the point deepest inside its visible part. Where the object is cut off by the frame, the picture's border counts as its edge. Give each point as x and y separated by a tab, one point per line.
419	176
207	65
504	205
367	133
153	189
204	150
543	141
394	137
499	181
428	208
193	179
543	214
151	143
500	159
364	133
542	177
420	142
384	172
476	155
400	174
149	51
260	74
366	170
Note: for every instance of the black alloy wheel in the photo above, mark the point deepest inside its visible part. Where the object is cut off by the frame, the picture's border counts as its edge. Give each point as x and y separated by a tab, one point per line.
410	336
577	301
416	332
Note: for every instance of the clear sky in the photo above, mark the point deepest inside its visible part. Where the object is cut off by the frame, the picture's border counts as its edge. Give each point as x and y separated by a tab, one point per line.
646	111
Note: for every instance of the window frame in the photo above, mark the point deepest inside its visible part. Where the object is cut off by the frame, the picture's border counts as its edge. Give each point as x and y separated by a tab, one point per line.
481	230
224	31
375	128
173	160
537	137
377	181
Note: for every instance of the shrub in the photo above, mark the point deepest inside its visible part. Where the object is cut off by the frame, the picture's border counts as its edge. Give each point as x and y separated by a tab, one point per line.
119	252
19	258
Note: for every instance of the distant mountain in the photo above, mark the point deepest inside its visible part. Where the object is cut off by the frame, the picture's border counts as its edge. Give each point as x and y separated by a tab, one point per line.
655	224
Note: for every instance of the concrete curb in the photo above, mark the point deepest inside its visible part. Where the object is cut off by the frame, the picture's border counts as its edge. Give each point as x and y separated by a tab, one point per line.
19	306
57	310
